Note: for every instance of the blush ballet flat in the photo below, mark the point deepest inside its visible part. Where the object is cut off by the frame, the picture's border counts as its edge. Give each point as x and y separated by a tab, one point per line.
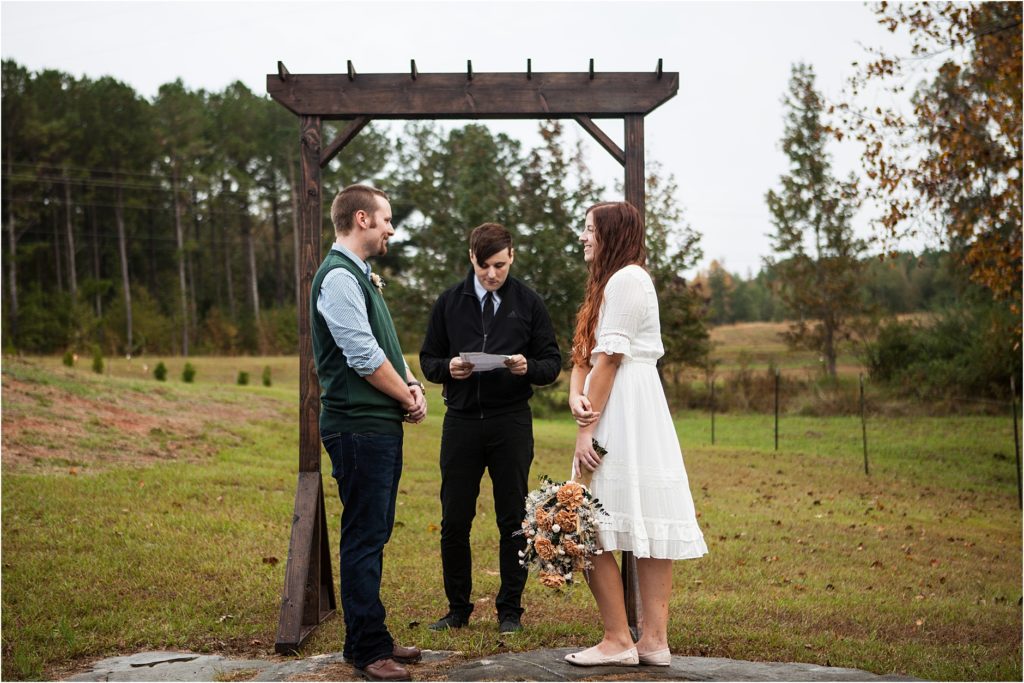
656	658
593	657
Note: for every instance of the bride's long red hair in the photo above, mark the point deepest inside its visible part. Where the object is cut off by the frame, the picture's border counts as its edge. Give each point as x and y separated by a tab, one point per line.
619	237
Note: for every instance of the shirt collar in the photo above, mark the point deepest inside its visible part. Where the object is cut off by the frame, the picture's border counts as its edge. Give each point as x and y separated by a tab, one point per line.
481	292
363	265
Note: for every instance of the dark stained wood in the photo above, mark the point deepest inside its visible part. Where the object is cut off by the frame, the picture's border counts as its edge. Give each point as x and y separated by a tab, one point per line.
635	163
307	578
635	195
631	590
602	138
326	600
309	260
308	596
488	95
344	137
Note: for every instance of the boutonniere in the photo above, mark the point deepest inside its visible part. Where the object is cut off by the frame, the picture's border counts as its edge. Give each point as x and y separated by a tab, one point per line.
377	281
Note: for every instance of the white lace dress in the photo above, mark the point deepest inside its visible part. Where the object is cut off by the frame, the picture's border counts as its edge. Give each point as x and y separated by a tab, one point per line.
641	482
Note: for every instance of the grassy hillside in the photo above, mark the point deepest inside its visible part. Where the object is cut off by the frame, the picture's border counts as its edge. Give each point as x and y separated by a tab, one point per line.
142	515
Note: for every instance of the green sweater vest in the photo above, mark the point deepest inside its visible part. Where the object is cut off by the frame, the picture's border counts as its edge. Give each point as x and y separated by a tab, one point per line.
349	403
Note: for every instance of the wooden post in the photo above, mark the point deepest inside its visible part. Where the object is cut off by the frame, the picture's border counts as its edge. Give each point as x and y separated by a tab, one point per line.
634	152
308	597
863	425
1016	437
712	411
635	195
776	409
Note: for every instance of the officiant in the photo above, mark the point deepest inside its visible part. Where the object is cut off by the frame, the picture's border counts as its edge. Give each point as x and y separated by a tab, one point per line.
488	424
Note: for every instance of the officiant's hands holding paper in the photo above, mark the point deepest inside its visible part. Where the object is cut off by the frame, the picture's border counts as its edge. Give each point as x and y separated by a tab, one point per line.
460	369
516	364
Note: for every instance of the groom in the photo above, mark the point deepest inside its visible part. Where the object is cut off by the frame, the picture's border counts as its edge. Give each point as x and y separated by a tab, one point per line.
367	392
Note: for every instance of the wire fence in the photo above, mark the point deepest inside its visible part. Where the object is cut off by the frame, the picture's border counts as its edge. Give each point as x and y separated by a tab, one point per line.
779	419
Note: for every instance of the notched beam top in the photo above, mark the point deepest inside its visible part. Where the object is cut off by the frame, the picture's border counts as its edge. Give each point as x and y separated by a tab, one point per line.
474	95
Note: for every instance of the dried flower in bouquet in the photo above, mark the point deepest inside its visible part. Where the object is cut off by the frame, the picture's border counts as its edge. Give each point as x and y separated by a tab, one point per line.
561	530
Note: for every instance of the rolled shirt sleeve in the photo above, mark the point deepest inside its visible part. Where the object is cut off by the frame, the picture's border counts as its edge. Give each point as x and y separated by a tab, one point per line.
343	305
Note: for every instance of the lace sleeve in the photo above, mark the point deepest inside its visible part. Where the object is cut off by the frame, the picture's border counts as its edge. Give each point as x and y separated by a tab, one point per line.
625	304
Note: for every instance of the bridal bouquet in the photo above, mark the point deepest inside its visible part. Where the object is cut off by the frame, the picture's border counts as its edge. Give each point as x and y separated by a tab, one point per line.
561	530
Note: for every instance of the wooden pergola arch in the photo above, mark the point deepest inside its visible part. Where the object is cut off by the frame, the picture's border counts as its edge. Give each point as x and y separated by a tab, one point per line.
308	596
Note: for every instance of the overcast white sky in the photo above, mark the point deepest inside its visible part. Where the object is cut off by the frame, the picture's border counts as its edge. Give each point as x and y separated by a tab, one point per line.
719	136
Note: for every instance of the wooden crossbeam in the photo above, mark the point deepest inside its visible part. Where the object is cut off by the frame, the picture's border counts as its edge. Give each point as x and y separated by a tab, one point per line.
344	137
474	95
602	138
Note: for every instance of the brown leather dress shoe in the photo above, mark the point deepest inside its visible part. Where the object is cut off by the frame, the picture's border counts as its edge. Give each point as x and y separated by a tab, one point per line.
406	655
402	655
386	670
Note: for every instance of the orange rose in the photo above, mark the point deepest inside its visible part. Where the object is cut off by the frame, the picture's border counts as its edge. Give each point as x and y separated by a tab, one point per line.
545	548
571	548
552	580
544	520
567	520
570	495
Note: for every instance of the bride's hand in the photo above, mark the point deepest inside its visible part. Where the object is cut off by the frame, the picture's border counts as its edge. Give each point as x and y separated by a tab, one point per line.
585	455
582	411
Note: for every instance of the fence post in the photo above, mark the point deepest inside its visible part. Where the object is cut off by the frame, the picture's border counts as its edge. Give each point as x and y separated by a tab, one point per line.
1016	437
863	425
776	409
712	411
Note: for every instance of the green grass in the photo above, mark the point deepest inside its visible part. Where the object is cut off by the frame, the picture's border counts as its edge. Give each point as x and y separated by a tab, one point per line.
915	569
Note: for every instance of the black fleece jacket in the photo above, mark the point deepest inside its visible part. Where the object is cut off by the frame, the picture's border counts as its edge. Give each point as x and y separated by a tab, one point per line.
521	325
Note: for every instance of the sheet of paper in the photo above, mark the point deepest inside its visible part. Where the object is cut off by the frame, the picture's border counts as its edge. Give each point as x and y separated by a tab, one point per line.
482	362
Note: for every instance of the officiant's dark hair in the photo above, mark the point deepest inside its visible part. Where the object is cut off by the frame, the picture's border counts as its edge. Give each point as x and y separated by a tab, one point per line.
488	239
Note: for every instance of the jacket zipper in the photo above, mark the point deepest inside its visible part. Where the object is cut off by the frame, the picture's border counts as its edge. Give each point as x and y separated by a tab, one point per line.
479	376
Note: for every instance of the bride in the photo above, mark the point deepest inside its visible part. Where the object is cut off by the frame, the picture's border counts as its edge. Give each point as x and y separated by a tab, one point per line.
616	398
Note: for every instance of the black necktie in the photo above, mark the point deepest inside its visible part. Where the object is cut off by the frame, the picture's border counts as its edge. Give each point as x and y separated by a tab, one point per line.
488	311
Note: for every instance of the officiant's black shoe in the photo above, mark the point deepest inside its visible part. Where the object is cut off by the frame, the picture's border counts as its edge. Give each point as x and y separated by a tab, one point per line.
510	624
448	621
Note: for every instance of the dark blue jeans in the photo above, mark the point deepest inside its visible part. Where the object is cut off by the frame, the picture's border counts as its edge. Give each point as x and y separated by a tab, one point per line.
367	468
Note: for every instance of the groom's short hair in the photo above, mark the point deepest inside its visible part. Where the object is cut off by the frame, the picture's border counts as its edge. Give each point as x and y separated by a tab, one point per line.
353	198
488	239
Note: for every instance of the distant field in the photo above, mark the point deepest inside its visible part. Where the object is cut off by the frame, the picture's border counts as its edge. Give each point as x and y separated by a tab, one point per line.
144	515
761	344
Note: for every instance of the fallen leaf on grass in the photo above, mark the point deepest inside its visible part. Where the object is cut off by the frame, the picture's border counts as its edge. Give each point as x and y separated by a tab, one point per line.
432	528
225	617
271	560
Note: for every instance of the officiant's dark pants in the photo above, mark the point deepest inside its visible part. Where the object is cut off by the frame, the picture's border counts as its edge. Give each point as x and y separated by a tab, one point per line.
503	445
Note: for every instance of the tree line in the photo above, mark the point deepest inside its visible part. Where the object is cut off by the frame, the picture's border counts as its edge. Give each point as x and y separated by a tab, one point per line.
169	226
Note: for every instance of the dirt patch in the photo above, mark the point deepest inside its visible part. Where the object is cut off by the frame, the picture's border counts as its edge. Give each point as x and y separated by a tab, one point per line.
66	421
